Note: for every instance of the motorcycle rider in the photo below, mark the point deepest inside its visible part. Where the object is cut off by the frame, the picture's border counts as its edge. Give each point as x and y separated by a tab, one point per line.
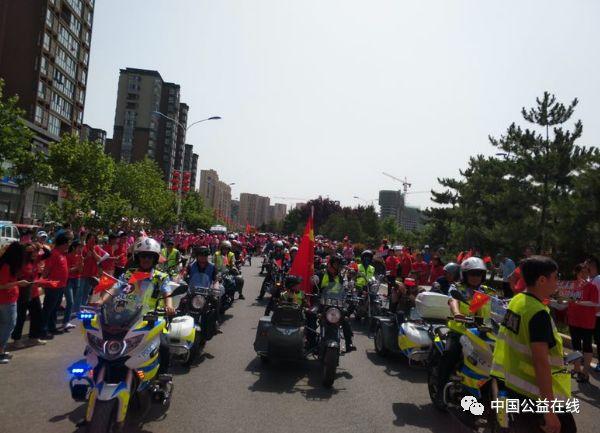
224	261
292	292
146	256
331	282
451	276
528	356
202	273
172	256
366	271
276	254
473	272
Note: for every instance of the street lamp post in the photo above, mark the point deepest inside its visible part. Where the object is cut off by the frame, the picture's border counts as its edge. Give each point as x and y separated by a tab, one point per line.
180	183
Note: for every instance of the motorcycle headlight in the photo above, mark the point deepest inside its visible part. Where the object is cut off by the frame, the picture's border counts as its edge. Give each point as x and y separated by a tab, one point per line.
198	302
132	343
114	347
95	343
333	315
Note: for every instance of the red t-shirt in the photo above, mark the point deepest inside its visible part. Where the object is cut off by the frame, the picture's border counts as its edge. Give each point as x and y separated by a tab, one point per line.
421	268
109	264
74	259
122	253
391	265
581	316
90	265
520	283
405	265
10	295
57	268
30	273
435	272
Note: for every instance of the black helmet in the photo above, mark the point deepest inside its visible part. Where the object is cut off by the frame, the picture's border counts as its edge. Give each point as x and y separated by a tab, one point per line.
292	280
336	259
366	253
201	250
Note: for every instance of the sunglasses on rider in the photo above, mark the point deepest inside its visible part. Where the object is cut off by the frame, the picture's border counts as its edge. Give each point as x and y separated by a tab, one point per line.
146	255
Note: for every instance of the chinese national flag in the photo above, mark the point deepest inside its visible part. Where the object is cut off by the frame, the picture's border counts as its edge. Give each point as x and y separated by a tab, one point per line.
248	229
478	301
105	283
138	276
304	263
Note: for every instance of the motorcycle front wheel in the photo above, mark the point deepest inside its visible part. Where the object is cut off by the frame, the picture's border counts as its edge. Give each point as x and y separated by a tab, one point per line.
380	348
329	366
103	419
435	393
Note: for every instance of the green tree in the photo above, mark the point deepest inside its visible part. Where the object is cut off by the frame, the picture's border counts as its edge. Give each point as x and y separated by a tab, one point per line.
19	159
83	169
143	185
390	229
194	213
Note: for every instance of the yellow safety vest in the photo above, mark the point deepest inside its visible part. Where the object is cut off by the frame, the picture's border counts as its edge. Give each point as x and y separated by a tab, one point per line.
149	288
222	262
513	361
364	276
333	287
464	307
171	258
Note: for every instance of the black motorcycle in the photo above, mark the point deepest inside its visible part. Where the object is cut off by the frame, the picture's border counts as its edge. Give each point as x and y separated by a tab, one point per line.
332	312
202	304
230	281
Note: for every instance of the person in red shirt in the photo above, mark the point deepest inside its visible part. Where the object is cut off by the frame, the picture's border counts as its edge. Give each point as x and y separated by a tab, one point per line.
56	269
72	291
121	255
109	263
436	269
420	270
92	253
29	300
11	264
581	318
406	262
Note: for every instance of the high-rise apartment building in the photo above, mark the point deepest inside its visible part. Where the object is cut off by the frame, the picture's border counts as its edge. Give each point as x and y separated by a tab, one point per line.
392	204
150	121
216	193
277	212
190	163
254	209
44	57
93	134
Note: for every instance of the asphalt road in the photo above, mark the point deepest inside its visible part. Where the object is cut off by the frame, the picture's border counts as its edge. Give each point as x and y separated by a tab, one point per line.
231	391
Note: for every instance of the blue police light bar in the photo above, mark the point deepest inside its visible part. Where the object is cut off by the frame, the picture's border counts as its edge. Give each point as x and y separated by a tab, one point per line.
79	368
85	315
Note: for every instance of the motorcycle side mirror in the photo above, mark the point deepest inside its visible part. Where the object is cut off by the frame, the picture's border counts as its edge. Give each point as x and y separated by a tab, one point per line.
180	290
458	296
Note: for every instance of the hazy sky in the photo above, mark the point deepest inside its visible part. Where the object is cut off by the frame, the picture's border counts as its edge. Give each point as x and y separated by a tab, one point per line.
318	97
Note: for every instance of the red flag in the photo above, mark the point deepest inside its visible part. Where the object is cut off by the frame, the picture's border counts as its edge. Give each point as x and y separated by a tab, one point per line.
303	265
248	229
138	276
105	283
478	301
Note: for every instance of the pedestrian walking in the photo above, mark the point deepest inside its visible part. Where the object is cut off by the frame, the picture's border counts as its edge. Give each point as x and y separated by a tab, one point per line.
11	263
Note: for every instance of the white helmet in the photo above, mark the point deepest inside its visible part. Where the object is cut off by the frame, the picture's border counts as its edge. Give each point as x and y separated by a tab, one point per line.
294	248
226	244
278	244
473	264
147	245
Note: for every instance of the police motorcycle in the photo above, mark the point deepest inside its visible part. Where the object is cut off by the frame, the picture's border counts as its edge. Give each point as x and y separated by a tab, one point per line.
411	336
471	377
283	334
121	360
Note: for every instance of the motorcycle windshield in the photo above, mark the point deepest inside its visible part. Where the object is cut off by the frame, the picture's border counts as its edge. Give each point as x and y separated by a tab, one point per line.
122	310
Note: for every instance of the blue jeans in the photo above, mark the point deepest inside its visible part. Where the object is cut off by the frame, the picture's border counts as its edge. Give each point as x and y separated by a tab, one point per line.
52	300
8	320
83	293
71	295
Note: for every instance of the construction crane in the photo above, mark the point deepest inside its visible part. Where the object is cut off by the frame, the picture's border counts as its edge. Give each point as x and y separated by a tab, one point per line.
405	183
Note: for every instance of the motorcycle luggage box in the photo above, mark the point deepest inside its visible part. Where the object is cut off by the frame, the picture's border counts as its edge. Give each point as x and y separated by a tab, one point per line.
180	330
412	335
432	306
286	341
261	342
